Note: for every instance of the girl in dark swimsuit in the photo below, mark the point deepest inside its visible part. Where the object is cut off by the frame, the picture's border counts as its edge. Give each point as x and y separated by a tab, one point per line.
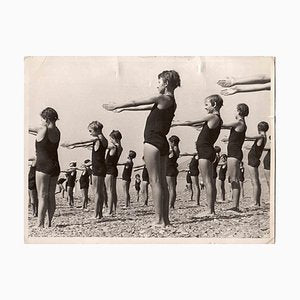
126	175
211	126
172	170
47	165
234	151
145	181
156	146
254	156
33	197
112	157
99	146
194	173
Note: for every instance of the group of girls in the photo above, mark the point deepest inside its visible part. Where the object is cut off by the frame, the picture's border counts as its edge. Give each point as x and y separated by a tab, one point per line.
160	159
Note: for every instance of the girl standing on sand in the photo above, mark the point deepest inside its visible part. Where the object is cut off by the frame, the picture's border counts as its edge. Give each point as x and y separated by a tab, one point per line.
172	170
211	126
99	143
112	157
234	150
254	156
47	165
33	197
156	147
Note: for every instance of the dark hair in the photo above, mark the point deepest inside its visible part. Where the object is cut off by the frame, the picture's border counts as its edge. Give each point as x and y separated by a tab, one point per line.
132	154
137	175
263	126
96	125
215	100
223	156
243	109
217	149
172	77
49	114
174	139
87	161
116	135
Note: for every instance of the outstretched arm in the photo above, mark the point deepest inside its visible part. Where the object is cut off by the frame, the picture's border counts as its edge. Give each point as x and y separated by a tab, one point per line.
246	88
33	130
145	107
138	169
130	104
256	79
140	166
252	138
86	144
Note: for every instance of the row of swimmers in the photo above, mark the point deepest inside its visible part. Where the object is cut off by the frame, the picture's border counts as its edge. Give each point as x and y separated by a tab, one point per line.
157	155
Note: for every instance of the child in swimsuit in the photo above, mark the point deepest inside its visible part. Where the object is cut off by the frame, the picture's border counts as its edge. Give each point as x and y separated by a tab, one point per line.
145	182
222	175
114	152
71	174
126	175
254	156
84	182
156	147
137	185
234	151
47	165
33	197
172	170
98	142
211	126
267	164
216	163
194	175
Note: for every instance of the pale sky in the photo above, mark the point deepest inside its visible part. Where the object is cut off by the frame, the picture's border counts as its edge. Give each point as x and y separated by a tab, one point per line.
76	87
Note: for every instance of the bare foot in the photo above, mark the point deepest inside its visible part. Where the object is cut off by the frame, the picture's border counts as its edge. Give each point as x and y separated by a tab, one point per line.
204	214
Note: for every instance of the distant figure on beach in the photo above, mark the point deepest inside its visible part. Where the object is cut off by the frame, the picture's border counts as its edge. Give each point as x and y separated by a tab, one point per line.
156	147
145	182
242	179
33	197
84	182
172	170
137	186
99	143
211	126
254	83
222	176
71	174
61	188
194	176
47	165
126	176
254	156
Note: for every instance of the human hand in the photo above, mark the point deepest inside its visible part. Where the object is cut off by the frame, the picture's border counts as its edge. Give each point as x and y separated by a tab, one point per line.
227	82
229	91
109	106
118	110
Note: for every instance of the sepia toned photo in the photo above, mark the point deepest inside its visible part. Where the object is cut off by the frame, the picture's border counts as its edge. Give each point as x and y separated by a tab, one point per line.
149	150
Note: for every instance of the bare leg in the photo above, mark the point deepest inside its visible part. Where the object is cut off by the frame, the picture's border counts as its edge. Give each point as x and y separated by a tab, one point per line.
255	184
267	175
42	185
114	194
109	189
234	173
33	201
98	183
171	181
153	163
145	185
206	169
70	196
52	203
166	197
85	198
195	186
105	195
242	189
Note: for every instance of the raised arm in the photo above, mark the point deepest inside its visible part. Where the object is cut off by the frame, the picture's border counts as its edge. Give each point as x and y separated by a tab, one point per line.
256	79
86	143
145	107
138	167
252	138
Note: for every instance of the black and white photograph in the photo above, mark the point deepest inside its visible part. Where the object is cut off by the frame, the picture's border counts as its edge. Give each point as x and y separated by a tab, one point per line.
149	149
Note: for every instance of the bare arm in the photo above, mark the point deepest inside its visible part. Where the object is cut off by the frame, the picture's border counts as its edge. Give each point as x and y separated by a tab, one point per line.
252	138
86	143
187	154
137	169
256	79
142	108
245	88
140	166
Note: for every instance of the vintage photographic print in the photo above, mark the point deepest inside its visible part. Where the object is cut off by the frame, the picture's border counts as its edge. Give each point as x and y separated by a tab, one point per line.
149	149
